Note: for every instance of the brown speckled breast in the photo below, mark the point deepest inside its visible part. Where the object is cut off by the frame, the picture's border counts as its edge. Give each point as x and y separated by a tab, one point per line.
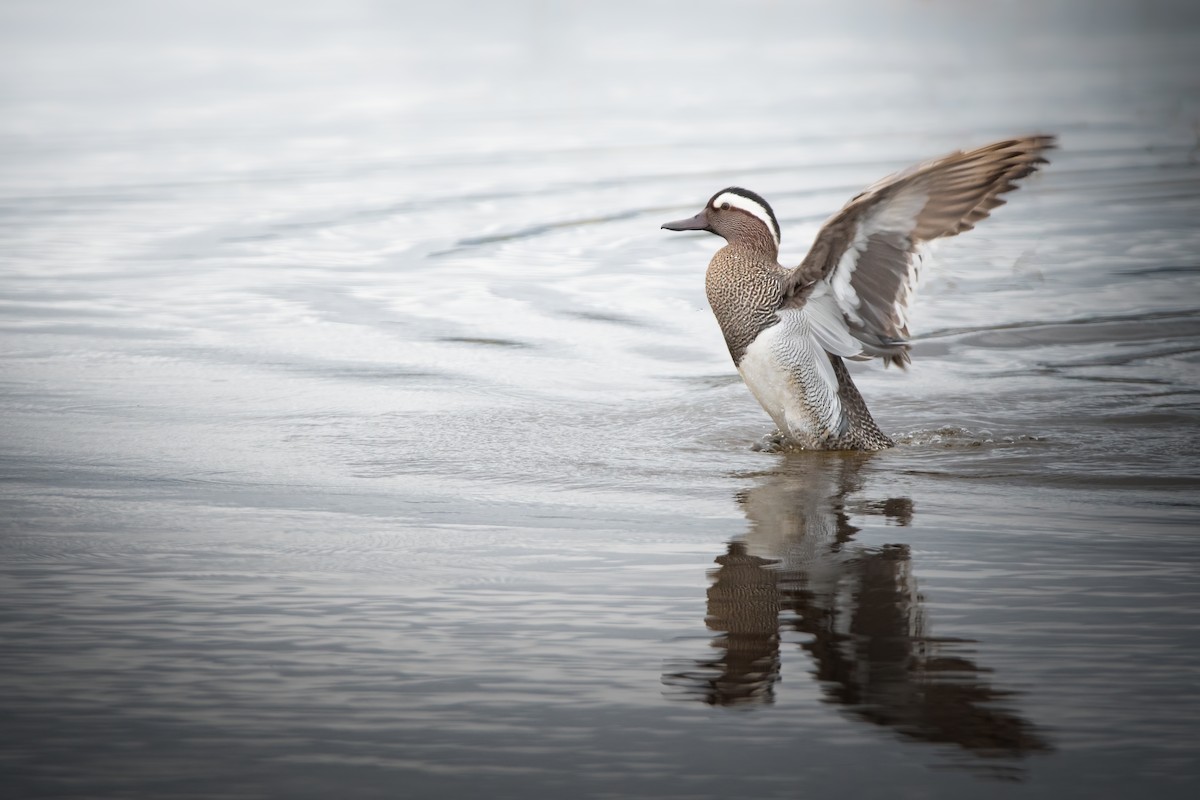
743	285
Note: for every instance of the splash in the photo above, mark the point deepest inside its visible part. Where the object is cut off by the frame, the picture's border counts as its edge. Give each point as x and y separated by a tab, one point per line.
953	437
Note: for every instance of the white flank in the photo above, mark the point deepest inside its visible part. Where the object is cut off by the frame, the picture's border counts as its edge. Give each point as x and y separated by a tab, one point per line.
787	370
750	207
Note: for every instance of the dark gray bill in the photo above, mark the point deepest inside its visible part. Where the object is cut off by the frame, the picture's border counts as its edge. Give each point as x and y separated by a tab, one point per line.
696	223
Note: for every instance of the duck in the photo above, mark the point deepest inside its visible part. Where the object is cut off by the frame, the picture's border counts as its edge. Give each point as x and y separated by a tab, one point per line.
791	330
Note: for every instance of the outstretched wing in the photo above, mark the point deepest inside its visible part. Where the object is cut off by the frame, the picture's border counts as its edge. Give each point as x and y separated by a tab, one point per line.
867	252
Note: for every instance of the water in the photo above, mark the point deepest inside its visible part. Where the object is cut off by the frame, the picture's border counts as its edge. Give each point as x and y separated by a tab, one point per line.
363	436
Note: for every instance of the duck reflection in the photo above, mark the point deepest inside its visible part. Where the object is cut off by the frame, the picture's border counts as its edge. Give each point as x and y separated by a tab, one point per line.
799	569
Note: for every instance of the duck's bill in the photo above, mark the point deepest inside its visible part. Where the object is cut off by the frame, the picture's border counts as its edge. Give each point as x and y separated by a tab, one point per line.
696	223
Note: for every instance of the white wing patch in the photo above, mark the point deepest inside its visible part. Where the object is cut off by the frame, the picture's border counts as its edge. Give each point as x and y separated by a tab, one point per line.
827	324
843	290
912	279
898	215
750	207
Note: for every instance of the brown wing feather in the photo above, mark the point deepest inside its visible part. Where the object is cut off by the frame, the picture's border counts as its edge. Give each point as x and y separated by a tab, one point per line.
867	250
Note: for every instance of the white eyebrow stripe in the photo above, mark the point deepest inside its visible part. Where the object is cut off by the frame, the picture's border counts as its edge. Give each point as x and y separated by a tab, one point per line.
750	207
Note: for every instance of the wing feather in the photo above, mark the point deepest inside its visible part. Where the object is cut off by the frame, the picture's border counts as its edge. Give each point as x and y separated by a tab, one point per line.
868	252
828	327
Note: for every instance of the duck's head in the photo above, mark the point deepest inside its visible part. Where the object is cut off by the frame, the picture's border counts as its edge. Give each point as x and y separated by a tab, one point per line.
737	215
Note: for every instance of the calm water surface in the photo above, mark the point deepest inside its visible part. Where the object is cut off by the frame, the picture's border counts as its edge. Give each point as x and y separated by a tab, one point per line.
361	435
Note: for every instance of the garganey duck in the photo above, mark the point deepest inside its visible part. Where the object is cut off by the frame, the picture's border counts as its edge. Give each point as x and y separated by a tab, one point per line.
789	330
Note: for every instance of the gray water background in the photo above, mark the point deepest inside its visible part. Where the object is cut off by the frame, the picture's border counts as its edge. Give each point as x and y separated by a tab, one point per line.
361	434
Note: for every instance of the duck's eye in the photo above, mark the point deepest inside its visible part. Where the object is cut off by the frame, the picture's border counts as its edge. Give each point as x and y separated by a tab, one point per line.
724	206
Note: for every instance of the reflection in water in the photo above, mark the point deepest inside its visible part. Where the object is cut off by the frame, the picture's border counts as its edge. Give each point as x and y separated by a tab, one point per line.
799	568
